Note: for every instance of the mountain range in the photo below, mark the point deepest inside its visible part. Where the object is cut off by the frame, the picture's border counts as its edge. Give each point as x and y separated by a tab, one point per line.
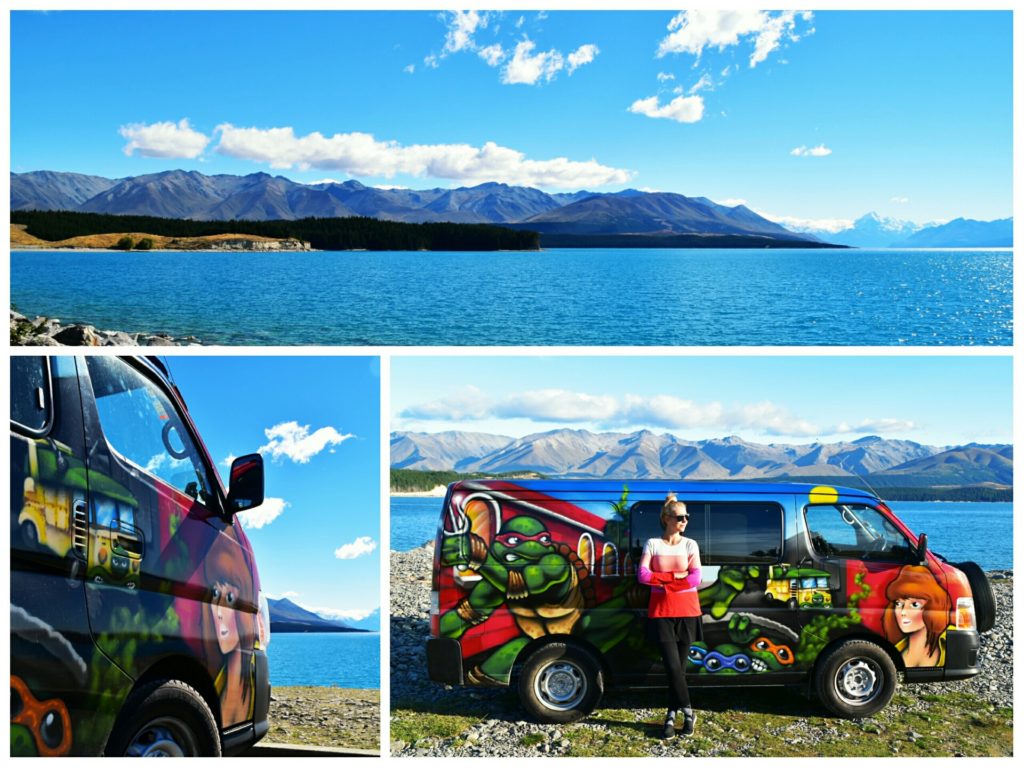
260	196
286	616
874	231
644	454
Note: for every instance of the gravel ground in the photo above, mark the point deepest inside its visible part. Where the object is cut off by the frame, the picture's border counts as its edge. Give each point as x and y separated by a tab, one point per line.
501	730
324	717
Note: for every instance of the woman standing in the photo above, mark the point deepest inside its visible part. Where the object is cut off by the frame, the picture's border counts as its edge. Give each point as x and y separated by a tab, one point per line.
670	565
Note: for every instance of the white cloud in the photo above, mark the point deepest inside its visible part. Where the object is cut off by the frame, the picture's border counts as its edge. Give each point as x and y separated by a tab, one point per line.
556	405
682	109
609	411
732	202
360	154
492	54
462	25
527	68
665	77
264	514
819	151
228	460
294	441
282	595
582	55
876	426
364	545
164	139
431	61
692	32
322	181
469	403
409	69
899	200
703	84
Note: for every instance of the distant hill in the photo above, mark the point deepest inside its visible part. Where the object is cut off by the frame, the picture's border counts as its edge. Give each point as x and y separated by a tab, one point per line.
646	455
181	194
963	233
286	616
874	231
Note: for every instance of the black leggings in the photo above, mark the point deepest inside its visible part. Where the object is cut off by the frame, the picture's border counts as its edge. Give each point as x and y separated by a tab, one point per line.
674	637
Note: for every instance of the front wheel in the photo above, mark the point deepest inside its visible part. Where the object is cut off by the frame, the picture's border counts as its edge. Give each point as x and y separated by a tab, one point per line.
560	683
856	679
166	718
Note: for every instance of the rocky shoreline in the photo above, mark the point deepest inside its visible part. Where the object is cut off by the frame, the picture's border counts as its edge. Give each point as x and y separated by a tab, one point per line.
51	332
492	724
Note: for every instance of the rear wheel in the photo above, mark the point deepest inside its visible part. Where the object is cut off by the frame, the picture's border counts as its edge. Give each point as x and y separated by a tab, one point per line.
856	679
166	718
981	591
560	683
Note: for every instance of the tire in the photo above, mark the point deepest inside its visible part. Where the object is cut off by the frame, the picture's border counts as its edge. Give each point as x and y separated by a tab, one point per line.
855	679
165	718
981	591
29	534
560	683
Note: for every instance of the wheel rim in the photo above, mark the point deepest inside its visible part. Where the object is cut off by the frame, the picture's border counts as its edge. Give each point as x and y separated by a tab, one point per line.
561	685
859	681
164	737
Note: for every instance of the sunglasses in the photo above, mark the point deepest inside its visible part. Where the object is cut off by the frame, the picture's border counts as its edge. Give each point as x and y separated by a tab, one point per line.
682	517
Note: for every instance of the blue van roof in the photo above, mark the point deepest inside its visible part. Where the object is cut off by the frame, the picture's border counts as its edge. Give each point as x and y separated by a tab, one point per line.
681	487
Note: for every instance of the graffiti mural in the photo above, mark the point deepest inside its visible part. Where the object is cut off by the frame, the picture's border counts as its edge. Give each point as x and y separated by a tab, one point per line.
917	617
115	569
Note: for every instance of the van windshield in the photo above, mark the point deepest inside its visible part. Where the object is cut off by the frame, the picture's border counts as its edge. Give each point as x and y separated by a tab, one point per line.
855	531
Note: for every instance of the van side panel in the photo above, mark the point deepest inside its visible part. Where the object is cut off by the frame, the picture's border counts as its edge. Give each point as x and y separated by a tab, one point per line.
184	590
58	705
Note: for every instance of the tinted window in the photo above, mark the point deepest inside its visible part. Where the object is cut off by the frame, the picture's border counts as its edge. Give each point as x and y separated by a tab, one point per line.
142	424
855	531
645	523
30	392
743	532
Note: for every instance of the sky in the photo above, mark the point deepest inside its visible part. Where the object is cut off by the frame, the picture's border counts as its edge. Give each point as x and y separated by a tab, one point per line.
932	400
316	420
809	119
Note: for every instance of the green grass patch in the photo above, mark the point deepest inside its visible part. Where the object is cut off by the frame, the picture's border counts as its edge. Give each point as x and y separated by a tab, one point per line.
411	727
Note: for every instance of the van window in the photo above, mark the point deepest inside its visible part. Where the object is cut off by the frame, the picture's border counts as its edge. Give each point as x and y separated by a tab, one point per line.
743	533
645	523
30	393
141	423
855	531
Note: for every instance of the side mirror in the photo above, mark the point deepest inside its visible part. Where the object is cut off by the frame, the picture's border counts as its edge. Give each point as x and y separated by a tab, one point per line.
246	489
922	549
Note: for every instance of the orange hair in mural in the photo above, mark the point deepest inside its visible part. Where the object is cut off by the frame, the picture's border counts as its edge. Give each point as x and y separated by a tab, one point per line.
917	582
228	625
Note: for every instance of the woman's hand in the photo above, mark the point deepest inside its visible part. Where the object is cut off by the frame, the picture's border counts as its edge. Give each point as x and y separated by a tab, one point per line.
680	574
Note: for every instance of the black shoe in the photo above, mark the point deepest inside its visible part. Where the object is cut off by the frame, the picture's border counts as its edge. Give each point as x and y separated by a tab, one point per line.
670	726
689	721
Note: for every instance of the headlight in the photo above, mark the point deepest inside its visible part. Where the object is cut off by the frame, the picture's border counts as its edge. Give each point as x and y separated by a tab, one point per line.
263	622
965	613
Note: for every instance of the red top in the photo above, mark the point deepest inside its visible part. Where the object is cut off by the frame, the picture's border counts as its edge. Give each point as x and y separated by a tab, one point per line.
671	597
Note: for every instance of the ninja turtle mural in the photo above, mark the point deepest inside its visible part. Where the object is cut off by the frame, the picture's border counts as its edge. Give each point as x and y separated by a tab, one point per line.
537	580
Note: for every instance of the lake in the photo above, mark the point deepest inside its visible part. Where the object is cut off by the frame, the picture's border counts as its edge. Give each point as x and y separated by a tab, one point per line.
552	297
978	531
332	659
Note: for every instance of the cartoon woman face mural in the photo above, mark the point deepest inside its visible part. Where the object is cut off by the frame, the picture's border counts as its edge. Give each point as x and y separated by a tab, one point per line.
228	631
917	616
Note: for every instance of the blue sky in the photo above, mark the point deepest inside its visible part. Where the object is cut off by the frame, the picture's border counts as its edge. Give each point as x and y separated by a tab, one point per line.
316	420
803	117
933	400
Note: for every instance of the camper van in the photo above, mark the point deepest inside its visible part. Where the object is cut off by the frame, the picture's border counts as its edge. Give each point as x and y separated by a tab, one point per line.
535	585
137	623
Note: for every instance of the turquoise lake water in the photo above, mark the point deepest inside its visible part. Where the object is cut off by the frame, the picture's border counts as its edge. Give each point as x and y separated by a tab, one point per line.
978	531
334	659
552	297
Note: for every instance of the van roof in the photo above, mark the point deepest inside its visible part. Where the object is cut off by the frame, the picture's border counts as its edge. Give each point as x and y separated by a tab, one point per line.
681	487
